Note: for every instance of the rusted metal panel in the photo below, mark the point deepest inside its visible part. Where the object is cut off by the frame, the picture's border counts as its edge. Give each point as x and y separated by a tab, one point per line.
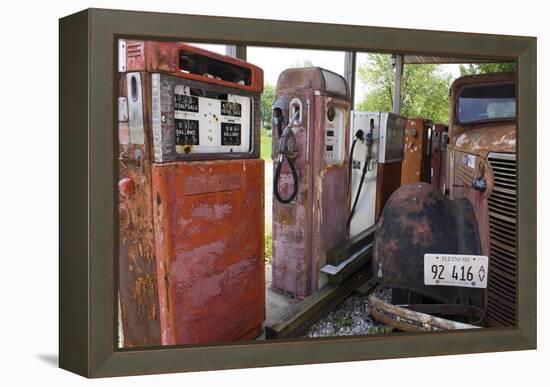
487	138
211	286
416	220
305	229
167	87
291	228
137	279
388	180
416	160
495	212
210	250
467	168
495	206
158	56
436	154
502	208
136	271
478	138
444	165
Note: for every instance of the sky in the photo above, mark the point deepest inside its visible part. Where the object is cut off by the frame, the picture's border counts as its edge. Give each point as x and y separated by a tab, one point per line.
274	60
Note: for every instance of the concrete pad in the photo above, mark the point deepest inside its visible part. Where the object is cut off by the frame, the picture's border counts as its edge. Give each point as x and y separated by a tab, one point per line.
277	303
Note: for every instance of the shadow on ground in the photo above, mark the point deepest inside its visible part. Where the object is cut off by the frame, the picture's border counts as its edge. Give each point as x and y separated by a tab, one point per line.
49	358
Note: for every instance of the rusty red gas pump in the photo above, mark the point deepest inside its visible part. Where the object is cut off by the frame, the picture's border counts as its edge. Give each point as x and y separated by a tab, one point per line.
191	264
437	154
311	191
417	153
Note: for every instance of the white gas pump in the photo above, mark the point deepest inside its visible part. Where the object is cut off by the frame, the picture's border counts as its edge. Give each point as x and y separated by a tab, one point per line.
376	151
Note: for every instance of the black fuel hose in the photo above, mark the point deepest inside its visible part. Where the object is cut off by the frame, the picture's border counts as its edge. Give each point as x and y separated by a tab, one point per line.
282	157
277	175
357	194
358	136
351	158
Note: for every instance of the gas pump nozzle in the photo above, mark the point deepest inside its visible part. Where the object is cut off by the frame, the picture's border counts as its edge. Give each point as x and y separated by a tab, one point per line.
286	150
286	140
369	141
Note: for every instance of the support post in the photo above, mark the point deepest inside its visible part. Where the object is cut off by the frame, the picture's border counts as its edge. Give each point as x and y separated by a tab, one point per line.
236	51
398	66
349	73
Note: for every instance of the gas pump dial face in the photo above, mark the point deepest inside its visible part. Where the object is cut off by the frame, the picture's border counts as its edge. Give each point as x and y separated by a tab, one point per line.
211	125
188	119
334	132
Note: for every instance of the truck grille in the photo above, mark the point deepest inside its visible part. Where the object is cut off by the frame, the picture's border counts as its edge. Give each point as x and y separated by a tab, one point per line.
501	290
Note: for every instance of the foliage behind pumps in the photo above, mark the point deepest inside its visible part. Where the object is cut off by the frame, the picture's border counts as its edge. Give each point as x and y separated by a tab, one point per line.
425	88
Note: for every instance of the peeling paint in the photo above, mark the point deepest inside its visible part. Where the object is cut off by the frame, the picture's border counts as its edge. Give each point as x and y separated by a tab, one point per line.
488	138
416	220
212	241
137	273
211	212
315	221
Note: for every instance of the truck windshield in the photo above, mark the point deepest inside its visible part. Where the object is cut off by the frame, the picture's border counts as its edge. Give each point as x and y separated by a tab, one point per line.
487	102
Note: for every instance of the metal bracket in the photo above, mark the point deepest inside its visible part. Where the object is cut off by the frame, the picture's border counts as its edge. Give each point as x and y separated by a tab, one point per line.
121	55
122	109
135	109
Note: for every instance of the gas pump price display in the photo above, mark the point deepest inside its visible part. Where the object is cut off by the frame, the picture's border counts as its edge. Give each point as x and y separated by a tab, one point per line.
468	271
210	125
186	103
230	109
231	133
187	132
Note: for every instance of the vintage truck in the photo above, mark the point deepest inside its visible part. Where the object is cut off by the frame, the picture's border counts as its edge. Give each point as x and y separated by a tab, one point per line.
471	212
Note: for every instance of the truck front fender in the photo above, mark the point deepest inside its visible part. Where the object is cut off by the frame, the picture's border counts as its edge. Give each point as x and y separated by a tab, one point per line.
417	219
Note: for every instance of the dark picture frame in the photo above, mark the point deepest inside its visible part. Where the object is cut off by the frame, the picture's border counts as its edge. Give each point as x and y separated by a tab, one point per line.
88	196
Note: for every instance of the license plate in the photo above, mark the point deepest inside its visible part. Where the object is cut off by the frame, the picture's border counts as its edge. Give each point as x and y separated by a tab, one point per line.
468	271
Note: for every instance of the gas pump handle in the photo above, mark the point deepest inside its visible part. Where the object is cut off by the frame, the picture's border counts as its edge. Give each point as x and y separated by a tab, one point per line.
286	143
286	140
370	141
286	151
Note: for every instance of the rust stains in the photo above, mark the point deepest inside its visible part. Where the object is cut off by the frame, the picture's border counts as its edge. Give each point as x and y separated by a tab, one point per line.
488	138
422	233
137	273
209	248
305	229
417	219
416	157
144	293
155	56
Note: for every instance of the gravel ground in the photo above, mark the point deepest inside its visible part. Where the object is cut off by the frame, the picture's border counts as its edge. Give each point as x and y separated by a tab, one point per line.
351	318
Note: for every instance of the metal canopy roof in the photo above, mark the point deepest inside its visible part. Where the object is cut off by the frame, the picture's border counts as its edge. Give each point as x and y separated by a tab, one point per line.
425	59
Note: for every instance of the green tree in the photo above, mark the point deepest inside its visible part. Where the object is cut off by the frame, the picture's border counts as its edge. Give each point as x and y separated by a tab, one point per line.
424	88
486	68
267	101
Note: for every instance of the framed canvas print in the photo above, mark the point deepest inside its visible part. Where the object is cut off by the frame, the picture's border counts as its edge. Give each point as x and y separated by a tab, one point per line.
245	193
